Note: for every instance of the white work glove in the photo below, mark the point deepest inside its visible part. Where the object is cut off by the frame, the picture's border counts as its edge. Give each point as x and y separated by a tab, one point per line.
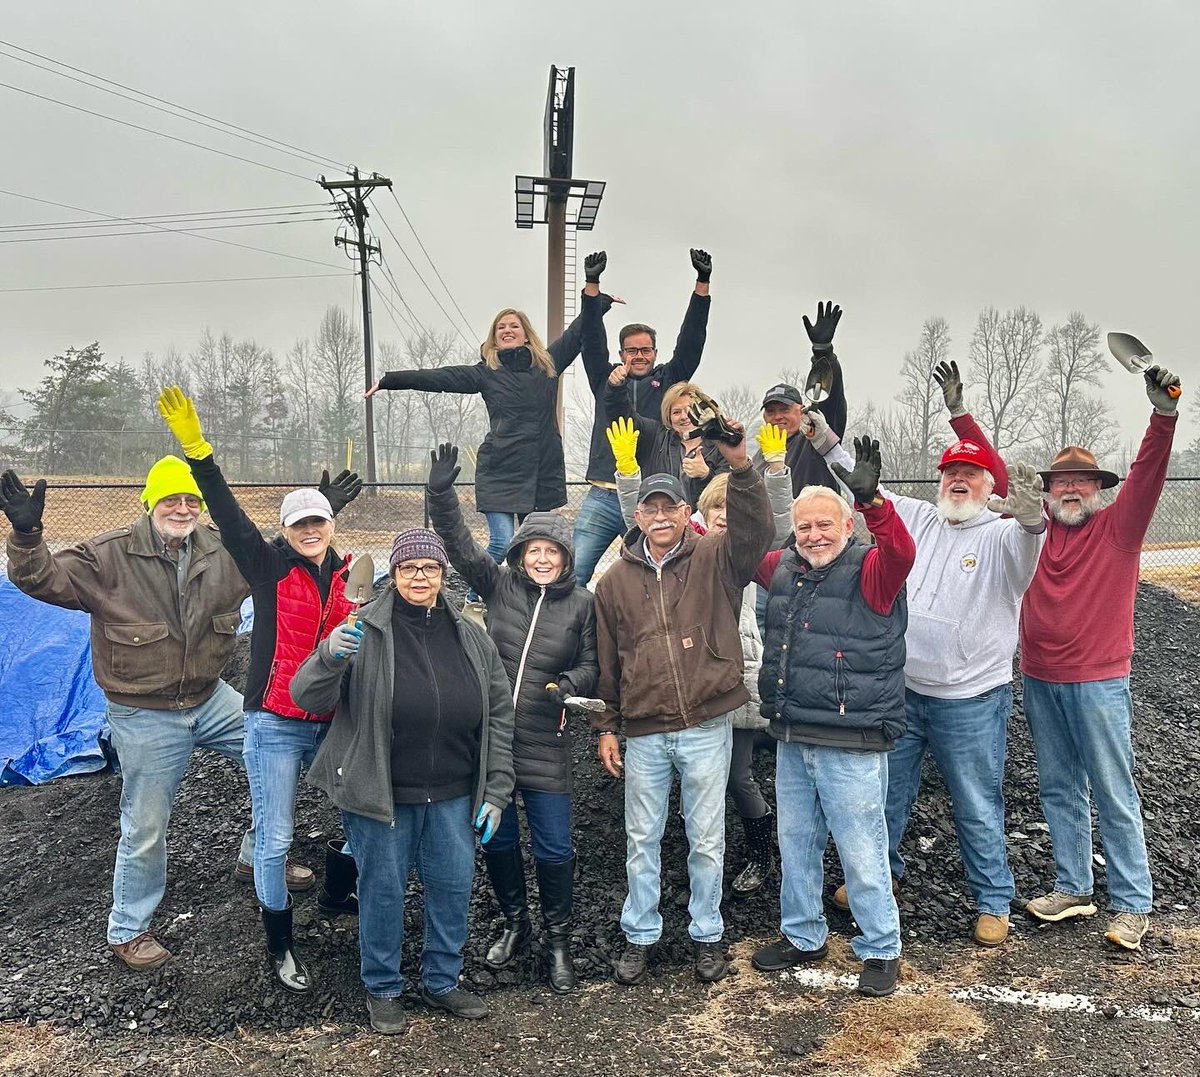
344	640
817	430
1024	501
1158	380
487	821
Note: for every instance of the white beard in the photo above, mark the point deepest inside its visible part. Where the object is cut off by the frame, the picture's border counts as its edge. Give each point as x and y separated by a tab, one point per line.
1074	513
959	512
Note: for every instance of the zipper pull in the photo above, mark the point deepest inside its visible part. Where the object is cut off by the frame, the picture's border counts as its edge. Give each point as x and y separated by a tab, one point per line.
842	709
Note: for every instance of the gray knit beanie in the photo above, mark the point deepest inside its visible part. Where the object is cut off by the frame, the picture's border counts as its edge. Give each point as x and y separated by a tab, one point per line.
414	543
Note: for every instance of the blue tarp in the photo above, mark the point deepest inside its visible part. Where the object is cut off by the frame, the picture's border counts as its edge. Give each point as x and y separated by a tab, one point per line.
51	709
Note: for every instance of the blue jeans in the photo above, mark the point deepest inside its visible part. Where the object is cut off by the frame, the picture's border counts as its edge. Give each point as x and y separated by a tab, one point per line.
439	840
598	523
549	819
501	528
1081	737
276	751
819	791
700	755
154	748
968	738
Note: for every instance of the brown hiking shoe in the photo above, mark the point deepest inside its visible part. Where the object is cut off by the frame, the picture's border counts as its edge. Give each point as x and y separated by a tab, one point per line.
842	901
299	878
1056	906
1126	930
990	930
141	954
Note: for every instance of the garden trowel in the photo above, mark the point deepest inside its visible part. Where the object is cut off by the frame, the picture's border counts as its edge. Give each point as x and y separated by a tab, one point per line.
359	583
1134	356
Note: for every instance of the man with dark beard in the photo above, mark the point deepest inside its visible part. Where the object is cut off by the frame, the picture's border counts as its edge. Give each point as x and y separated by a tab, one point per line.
1076	646
964	602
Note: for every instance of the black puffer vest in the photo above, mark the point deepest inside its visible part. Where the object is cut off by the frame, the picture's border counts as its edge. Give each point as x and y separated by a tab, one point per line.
833	668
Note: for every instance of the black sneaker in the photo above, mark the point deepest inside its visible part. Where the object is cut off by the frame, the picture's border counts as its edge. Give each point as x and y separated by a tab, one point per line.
783	955
458	1002
711	961
878	977
632	967
387	1015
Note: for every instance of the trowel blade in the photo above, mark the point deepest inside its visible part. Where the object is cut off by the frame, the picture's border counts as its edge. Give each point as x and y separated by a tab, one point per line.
1130	352
360	579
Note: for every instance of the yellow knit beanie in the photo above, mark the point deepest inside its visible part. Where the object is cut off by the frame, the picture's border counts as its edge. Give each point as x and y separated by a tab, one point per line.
169	476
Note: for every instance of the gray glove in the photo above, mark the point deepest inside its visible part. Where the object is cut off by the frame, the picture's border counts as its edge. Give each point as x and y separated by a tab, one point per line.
948	377
819	433
1024	501
1158	380
487	821
344	640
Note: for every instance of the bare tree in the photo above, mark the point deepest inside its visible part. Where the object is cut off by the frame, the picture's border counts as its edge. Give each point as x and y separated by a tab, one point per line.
300	378
1006	353
917	433
448	416
741	402
395	414
1068	415
339	366
579	412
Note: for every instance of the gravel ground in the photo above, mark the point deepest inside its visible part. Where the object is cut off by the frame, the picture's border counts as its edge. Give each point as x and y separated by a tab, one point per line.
67	1005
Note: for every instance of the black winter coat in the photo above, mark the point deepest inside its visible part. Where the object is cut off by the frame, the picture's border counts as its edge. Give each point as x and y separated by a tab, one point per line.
519	466
543	634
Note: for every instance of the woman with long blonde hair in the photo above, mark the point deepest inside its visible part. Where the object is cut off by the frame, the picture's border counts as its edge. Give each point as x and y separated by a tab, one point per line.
519	468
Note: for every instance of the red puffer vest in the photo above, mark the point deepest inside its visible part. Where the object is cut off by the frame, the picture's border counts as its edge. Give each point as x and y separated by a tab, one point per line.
300	624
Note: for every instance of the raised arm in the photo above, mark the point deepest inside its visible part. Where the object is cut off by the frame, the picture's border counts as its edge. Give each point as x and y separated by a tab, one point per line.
473	563
825	365
1023	536
689	345
586	333
442	379
1139	493
749	524
964	424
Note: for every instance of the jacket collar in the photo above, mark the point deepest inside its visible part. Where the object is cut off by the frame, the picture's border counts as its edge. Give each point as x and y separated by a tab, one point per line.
378	612
144	542
631	547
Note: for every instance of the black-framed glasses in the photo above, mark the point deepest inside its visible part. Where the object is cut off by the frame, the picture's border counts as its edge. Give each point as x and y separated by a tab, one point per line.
645	353
409	572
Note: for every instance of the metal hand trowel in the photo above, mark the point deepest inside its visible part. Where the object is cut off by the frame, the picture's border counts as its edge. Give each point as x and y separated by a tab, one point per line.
1135	357
359	583
819	383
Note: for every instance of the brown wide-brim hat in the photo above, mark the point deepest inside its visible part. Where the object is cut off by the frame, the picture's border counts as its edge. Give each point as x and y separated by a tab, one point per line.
1076	458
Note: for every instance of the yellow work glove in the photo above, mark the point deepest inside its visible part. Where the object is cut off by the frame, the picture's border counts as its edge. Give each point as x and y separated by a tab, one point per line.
623	437
772	442
179	413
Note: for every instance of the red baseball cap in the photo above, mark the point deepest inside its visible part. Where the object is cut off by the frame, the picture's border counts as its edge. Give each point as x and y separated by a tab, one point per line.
966	452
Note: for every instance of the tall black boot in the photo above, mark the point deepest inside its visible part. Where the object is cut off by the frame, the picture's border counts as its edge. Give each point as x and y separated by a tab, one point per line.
556	884
337	896
285	962
506	869
760	855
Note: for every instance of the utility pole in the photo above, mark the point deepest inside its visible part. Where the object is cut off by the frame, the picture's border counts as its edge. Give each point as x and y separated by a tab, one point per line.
354	210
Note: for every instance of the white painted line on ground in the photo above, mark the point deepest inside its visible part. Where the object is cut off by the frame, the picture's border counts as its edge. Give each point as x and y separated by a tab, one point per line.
1006	996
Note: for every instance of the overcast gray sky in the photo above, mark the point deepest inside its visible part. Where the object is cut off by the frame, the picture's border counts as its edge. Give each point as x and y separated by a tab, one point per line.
906	160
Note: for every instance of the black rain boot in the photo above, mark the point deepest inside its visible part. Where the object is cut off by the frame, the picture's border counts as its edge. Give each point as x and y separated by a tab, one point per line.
506	869
285	962
337	896
556	884
760	856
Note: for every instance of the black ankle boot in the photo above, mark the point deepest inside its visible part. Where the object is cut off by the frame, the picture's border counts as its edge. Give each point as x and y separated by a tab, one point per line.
507	872
285	962
337	896
760	856
556	884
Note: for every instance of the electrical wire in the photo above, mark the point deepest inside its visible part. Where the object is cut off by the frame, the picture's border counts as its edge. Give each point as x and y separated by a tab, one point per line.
465	319
153	131
165	283
391	279
391	310
197	228
182	218
178	231
297	151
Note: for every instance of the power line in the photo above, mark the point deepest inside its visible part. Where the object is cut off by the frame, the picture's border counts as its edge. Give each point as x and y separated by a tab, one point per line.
165	283
466	320
391	279
185	218
298	151
199	228
153	131
178	231
391	310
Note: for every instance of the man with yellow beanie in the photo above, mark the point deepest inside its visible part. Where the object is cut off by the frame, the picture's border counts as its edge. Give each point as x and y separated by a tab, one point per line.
165	602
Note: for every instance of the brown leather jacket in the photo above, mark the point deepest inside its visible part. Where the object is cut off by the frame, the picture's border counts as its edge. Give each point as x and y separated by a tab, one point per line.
144	653
668	641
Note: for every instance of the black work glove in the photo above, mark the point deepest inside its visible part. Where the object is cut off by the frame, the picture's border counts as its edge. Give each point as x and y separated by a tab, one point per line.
950	381
23	509
342	490
443	469
710	424
593	265
821	332
863	481
702	263
559	692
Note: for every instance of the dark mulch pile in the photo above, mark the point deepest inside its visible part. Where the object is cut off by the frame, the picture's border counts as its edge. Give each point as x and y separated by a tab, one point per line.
59	843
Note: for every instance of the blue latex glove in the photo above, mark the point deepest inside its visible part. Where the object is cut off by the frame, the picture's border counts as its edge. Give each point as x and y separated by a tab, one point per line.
486	822
344	640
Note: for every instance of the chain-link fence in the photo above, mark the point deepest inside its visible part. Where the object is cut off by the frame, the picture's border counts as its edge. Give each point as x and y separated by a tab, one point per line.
77	511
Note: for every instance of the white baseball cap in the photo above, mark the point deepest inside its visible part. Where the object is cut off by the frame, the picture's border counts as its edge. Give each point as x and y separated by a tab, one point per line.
303	503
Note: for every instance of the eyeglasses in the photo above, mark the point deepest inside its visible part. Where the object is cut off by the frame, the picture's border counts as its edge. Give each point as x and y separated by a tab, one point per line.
409	572
186	500
1066	482
665	511
645	353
